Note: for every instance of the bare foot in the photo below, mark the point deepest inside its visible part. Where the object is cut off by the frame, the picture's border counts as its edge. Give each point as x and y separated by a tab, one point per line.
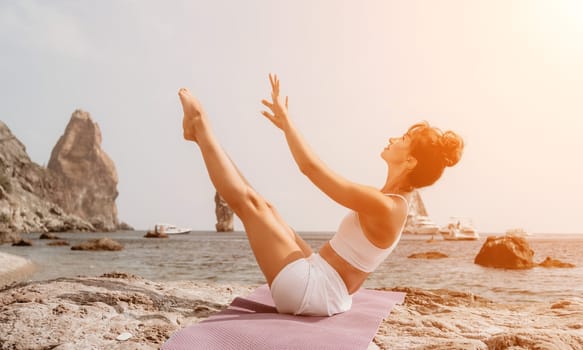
193	114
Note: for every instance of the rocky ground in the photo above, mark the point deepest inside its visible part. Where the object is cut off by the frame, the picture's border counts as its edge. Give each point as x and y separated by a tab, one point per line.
444	319
93	312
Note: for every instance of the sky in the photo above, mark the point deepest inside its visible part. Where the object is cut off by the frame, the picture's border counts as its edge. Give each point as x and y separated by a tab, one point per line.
506	75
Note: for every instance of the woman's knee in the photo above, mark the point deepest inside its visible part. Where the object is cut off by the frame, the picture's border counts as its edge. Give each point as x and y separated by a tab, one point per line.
252	203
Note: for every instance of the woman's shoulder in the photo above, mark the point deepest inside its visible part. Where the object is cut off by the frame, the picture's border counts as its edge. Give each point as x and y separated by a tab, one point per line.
382	229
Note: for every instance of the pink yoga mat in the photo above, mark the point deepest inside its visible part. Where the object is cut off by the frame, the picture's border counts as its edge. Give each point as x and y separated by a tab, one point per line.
253	323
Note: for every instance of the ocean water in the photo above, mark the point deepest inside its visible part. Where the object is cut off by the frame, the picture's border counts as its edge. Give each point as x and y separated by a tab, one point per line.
227	258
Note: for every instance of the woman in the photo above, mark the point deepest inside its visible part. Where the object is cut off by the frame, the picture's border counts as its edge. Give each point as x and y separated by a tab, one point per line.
303	282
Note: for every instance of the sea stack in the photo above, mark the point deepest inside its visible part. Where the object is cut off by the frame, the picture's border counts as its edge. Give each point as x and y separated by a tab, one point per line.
224	215
88	173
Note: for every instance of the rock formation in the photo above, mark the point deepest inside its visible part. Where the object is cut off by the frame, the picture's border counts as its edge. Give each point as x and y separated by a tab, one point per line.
508	252
224	215
26	192
75	193
88	173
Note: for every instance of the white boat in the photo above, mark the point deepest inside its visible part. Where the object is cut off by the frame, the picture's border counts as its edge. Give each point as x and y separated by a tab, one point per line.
420	225
517	232
459	229
170	229
418	221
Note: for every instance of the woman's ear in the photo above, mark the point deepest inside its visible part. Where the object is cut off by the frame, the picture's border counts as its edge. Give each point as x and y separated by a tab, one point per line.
411	163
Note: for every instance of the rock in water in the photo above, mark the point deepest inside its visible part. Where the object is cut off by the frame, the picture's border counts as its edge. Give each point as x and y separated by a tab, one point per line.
88	172
23	243
99	244
507	252
47	235
428	255
550	262
224	215
155	234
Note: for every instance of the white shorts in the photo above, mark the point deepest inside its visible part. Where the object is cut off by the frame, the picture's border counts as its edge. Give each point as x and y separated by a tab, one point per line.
311	287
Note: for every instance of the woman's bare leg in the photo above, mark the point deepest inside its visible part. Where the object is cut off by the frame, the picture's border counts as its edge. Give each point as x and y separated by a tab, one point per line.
273	242
304	246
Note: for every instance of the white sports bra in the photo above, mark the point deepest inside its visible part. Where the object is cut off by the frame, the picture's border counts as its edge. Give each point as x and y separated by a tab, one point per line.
351	244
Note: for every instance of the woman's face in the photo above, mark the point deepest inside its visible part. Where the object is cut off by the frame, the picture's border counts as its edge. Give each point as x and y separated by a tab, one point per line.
398	149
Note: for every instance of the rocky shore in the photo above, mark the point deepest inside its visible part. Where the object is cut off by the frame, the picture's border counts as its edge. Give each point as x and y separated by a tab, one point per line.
101	312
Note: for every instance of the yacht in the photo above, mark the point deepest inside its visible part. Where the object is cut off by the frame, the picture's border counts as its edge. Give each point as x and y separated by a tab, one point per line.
170	229
418	221
420	225
459	229
517	232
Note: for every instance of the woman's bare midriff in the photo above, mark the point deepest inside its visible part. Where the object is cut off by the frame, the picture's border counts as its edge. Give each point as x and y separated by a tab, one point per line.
353	278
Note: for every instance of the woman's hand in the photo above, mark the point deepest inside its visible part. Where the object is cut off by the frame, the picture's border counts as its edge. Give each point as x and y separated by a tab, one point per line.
278	115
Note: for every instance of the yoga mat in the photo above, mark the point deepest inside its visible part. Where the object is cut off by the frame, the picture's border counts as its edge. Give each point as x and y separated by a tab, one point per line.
253	323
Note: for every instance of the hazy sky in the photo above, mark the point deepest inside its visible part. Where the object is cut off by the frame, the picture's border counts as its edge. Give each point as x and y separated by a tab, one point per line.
506	75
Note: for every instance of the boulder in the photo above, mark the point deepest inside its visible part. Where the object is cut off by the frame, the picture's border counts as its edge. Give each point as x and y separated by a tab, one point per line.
550	262
23	242
88	172
9	237
507	252
123	226
428	255
58	243
224	215
99	244
154	234
47	235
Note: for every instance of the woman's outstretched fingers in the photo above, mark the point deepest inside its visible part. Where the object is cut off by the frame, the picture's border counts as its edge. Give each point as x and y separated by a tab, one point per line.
267	104
274	84
271	81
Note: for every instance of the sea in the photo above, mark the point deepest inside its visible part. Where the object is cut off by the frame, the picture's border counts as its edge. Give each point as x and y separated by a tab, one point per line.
227	258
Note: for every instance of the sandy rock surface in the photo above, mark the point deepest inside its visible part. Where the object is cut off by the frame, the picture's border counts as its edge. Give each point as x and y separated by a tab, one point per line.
94	312
444	319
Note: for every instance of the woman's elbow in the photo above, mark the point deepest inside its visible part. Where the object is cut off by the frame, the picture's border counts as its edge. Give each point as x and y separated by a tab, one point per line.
307	168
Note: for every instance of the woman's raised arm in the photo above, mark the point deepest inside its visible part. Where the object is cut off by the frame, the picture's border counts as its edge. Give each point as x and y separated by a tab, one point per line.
361	198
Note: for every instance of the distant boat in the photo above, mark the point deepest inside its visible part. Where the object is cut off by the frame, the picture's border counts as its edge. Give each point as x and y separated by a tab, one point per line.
517	232
459	229
418	221
421	225
170	229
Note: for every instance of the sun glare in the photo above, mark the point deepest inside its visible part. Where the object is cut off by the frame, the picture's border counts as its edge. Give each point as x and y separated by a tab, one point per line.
563	19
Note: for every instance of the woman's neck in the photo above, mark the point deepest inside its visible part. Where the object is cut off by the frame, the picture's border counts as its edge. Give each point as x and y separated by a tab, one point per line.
396	184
